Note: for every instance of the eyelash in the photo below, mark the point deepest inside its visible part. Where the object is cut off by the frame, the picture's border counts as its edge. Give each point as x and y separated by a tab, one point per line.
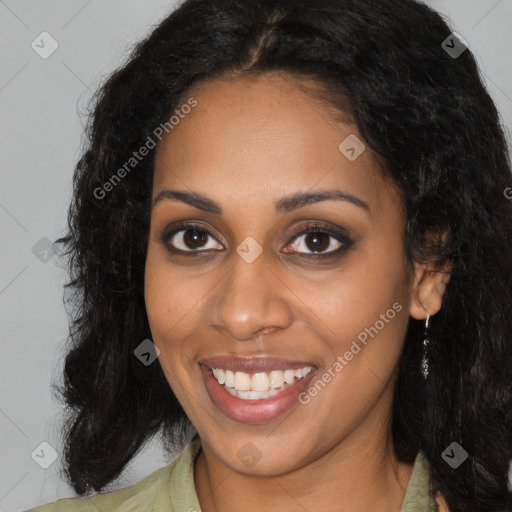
346	241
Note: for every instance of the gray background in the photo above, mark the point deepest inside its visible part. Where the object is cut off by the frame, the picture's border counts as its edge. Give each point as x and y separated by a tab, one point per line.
41	134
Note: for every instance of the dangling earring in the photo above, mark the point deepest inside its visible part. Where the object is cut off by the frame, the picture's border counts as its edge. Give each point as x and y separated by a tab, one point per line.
424	361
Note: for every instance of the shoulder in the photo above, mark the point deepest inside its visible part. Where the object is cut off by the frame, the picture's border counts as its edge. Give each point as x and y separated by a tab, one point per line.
142	496
169	488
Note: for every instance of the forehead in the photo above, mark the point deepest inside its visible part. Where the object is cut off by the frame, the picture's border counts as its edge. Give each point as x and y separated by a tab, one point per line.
261	138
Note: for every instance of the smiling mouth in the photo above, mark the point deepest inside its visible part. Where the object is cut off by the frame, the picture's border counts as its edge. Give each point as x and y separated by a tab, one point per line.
259	385
255	389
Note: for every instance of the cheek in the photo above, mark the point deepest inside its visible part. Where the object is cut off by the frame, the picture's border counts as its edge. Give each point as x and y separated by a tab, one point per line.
166	301
359	296
366	312
173	298
365	308
168	307
158	296
366	329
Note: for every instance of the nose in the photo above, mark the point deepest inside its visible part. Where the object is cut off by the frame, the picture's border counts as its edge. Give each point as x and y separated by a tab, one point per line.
251	300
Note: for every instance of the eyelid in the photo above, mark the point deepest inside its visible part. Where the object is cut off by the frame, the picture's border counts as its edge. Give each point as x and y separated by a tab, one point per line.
322	227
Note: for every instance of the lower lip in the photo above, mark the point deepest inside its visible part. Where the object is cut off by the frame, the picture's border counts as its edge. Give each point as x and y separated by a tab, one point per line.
253	411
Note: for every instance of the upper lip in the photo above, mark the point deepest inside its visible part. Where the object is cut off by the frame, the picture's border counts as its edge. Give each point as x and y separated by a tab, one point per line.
253	364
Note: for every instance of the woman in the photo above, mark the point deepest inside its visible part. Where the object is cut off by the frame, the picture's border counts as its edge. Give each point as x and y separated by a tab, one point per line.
300	207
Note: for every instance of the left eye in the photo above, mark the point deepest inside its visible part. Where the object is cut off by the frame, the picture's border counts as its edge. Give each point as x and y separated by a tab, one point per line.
316	240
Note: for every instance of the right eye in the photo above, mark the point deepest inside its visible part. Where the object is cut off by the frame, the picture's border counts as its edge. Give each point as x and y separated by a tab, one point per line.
189	238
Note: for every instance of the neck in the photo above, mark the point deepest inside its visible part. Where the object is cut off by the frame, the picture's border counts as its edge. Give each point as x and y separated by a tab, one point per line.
361	473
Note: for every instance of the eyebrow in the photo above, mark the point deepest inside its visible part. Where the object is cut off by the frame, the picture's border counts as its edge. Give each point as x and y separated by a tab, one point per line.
284	205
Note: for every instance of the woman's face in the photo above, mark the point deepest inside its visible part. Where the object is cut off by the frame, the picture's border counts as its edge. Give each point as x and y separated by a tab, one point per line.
335	299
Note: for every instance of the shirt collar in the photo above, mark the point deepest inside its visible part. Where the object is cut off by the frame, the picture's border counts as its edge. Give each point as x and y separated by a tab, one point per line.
418	492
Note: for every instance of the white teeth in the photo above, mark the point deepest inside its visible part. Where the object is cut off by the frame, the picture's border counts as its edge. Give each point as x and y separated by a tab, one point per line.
219	375
289	376
254	386
252	395
276	379
242	381
229	379
260	382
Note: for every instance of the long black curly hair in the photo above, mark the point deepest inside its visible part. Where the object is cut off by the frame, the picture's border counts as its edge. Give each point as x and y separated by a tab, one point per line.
429	117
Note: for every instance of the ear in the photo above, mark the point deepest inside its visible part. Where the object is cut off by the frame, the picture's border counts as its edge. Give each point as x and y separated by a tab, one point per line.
428	288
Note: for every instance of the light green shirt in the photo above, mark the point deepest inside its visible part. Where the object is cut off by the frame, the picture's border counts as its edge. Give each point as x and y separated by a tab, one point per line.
171	489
